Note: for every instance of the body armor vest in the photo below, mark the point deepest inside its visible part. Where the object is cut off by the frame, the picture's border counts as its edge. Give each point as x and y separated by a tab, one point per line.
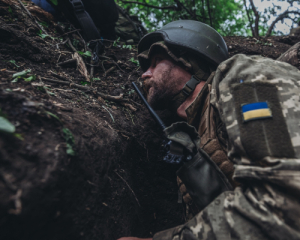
204	117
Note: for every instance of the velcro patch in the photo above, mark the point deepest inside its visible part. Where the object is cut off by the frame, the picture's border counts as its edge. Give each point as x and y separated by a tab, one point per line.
258	110
265	137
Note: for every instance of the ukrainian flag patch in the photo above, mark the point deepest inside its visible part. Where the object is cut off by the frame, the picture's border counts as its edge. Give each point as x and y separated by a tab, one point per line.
258	110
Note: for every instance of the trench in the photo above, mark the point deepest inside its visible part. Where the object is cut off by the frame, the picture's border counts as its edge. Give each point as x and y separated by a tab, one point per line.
115	186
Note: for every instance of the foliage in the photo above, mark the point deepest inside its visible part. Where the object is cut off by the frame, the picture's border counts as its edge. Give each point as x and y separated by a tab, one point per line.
13	62
83	83
228	17
262	20
134	61
23	74
42	35
85	54
52	115
10	10
127	46
116	42
6	126
70	142
44	24
54	2
223	13
30	78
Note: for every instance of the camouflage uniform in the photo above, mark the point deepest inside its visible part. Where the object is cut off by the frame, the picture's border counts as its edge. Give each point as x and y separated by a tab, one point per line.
129	28
266	205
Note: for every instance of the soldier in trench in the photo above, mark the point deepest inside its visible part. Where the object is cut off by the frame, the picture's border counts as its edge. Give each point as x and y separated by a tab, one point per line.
240	135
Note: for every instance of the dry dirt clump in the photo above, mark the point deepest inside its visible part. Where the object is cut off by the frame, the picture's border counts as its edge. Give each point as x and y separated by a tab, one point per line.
81	157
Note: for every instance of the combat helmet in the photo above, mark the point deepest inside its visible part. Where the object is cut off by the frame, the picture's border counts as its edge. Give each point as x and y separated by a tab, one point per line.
187	42
192	36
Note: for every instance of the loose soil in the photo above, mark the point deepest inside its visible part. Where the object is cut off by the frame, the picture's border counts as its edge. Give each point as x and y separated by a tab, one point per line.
116	183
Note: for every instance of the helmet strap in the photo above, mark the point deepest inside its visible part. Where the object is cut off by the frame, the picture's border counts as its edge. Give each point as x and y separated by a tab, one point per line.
188	89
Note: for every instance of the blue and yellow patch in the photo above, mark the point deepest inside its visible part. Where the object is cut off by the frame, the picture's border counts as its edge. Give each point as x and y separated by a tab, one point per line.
256	110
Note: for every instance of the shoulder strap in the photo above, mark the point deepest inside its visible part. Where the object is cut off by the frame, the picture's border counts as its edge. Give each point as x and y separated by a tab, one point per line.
88	27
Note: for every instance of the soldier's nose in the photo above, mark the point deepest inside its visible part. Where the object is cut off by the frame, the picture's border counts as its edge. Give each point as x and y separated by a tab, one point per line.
147	74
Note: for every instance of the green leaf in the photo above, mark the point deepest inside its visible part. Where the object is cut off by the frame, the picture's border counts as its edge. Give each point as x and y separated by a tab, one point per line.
43	36
44	24
15	80
134	61
54	2
131	92
10	10
6	126
116	42
127	46
21	74
13	62
51	93
96	79
68	135
85	54
70	150
29	79
19	136
70	141
84	83
52	115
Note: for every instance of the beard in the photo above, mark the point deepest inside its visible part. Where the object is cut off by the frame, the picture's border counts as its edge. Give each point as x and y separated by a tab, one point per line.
161	91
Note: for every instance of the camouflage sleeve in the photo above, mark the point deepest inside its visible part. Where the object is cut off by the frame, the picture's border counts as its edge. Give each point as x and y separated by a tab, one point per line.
268	209
266	152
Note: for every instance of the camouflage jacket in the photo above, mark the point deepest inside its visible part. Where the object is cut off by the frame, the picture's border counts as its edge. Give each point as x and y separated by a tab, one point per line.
266	153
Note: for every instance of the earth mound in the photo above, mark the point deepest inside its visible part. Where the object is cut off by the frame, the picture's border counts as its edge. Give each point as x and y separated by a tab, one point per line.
80	156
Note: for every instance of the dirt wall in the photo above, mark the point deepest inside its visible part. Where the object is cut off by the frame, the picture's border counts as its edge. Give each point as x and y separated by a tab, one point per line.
85	160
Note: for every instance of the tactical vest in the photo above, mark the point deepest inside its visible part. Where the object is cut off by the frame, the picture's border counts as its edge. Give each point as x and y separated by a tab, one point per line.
204	117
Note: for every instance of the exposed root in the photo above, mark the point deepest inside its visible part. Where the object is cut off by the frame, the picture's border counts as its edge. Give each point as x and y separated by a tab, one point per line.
128	187
109	70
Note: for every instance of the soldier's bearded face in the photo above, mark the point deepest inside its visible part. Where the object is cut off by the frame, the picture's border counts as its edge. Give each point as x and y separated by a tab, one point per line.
163	80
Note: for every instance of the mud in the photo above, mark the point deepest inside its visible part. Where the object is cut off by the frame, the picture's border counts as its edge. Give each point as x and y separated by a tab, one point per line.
116	183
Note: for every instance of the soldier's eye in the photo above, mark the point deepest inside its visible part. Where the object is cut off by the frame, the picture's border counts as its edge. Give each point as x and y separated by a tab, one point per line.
157	60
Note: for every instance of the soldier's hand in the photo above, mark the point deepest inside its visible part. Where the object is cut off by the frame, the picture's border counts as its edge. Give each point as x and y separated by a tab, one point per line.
133	238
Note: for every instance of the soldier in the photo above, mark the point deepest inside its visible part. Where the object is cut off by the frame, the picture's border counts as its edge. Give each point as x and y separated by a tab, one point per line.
246	110
295	31
112	20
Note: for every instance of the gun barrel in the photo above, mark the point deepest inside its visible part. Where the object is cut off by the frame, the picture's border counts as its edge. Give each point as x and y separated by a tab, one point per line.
152	112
